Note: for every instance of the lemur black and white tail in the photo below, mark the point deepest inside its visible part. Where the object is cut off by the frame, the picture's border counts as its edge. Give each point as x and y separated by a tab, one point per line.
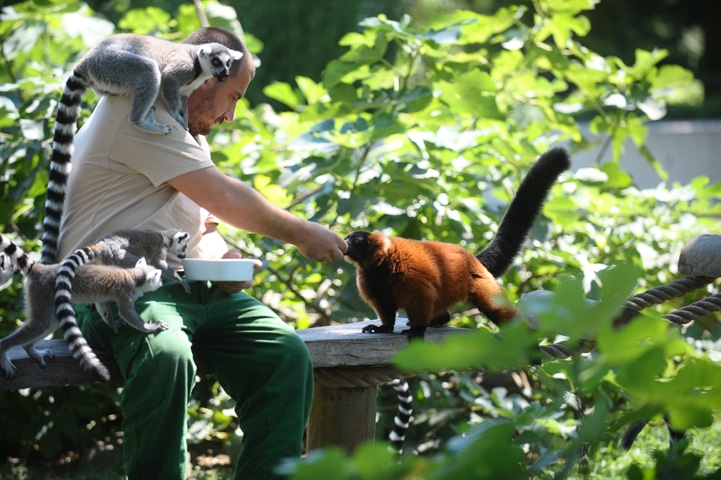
66	314
402	418
523	210
71	333
60	163
16	256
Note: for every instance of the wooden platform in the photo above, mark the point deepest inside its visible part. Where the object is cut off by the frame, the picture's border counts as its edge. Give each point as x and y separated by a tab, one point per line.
348	366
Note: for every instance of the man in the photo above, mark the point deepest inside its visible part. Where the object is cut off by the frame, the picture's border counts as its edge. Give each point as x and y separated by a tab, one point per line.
123	178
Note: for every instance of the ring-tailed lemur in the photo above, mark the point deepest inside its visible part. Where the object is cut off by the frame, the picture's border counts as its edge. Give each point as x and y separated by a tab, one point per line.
92	283
402	418
143	67
121	249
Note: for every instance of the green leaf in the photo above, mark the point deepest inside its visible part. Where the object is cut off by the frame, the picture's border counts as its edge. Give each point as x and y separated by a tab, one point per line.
363	53
479	28
477	454
144	21
644	65
572	6
617	178
326	463
471	93
224	16
566	24
374	461
343	92
569	313
313	92
594	424
686	417
561	210
675	85
626	345
283	93
481	348
336	71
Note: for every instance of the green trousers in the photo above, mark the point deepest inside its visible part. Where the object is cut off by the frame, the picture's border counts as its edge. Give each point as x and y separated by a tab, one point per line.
258	360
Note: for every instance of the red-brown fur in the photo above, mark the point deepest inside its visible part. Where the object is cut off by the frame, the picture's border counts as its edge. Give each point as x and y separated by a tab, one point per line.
424	279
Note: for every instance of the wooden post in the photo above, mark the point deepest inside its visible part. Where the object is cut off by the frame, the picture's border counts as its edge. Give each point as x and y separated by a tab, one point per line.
342	416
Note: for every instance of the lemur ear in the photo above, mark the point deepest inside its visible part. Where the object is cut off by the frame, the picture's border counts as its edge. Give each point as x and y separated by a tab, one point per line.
236	55
205	50
141	262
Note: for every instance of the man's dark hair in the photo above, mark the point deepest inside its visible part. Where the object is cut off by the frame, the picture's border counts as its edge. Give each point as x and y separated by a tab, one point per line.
223	37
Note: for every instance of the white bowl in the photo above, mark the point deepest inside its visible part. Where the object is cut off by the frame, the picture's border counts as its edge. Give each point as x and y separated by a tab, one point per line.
228	269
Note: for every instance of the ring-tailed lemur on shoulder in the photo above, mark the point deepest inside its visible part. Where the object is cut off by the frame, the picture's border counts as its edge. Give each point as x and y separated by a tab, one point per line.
92	283
121	249
143	67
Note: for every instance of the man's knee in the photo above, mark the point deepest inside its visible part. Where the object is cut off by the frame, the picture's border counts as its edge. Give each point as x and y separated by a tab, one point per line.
163	370
295	349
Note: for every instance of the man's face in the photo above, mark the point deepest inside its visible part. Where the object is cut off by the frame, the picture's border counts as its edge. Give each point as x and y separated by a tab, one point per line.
214	103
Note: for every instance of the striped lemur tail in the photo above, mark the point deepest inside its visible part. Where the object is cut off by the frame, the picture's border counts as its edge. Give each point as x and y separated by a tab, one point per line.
523	210
66	314
37	328
16	256
402	418
60	163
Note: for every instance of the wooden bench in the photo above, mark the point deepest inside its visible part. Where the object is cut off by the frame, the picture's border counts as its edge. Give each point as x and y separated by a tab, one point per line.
348	367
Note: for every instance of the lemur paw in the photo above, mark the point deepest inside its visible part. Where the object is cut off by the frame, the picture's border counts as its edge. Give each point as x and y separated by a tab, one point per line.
40	355
9	369
157	326
377	329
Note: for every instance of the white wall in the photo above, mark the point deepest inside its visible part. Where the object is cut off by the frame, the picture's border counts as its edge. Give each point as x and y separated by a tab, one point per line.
686	149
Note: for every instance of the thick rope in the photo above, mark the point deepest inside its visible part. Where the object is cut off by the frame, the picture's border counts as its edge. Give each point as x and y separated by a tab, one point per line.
696	310
557	350
656	296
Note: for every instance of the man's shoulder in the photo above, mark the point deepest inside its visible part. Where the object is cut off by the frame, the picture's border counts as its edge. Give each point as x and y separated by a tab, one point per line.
111	114
122	104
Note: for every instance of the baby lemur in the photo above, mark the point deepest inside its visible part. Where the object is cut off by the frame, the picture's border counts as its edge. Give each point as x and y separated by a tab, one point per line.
426	278
143	67
121	249
92	283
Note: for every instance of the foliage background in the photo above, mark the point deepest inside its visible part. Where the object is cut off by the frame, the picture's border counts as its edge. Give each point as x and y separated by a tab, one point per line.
423	130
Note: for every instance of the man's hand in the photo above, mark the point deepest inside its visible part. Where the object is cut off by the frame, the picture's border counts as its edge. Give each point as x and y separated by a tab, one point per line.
235	287
320	244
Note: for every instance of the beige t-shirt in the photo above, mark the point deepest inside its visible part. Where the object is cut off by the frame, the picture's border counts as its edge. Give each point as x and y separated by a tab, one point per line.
118	178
